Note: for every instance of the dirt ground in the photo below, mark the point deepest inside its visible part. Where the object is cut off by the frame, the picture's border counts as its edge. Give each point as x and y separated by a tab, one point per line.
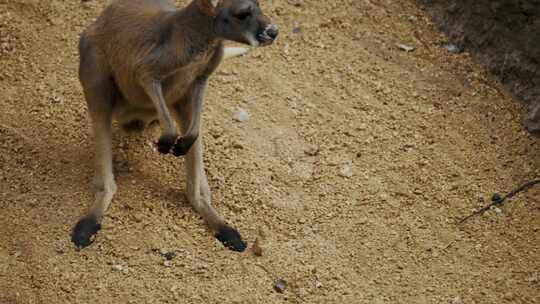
504	36
356	162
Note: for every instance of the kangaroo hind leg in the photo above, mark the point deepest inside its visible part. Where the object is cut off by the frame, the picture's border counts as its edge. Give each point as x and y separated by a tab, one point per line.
99	91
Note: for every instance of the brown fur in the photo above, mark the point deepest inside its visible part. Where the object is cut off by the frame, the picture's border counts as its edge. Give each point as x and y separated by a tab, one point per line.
143	40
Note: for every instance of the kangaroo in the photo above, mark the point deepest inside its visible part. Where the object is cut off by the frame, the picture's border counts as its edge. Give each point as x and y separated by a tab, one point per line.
146	60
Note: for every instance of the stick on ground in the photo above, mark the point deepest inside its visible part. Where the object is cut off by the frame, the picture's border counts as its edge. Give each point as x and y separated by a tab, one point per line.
497	199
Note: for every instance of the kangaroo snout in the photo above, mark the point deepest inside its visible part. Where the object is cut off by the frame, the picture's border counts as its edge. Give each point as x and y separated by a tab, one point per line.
268	35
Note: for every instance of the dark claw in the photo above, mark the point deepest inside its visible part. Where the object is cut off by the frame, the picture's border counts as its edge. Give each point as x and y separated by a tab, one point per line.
231	239
83	232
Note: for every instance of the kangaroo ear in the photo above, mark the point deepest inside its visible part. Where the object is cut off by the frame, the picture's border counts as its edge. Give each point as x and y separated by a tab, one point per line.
209	6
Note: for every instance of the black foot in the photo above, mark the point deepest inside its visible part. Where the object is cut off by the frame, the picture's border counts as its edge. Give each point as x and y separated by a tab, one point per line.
83	232
231	239
166	143
182	146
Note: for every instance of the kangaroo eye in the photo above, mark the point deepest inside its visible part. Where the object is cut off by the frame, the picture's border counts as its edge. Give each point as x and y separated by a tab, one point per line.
243	15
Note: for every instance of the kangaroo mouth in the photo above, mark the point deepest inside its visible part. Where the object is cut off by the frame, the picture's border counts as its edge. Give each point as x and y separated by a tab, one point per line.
264	39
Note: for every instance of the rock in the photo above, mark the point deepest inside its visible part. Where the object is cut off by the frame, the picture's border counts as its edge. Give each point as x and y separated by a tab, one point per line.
257	249
138	217
237	145
296	28
120	268
311	150
167	263
280	286
405	47
239	88
452	48
346	171
241	115
168	255
496	209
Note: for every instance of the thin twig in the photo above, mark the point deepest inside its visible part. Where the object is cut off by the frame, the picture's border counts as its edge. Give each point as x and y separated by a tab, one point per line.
497	199
449	245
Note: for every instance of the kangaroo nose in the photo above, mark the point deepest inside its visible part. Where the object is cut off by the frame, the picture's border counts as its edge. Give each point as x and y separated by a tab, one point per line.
272	31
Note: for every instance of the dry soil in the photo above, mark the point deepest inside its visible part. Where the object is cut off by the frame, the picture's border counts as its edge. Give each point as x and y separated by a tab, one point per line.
356	162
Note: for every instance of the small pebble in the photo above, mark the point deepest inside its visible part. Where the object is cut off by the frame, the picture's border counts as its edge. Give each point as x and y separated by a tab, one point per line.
138	218
257	250
280	286
167	263
405	47
311	151
120	268
296	28
169	255
452	48
496	197
346	171
241	115
237	145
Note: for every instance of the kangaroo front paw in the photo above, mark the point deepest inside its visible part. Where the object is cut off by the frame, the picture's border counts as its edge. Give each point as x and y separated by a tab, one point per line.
231	239
83	232
166	143
182	146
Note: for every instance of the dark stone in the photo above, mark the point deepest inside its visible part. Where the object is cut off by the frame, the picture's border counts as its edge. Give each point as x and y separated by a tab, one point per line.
169	255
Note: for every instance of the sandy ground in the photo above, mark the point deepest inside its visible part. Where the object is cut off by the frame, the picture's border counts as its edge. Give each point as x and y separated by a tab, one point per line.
356	162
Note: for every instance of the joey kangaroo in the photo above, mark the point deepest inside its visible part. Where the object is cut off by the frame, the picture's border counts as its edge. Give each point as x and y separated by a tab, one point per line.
145	60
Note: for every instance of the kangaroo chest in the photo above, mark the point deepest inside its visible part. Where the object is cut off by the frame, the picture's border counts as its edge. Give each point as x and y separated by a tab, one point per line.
175	86
178	84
